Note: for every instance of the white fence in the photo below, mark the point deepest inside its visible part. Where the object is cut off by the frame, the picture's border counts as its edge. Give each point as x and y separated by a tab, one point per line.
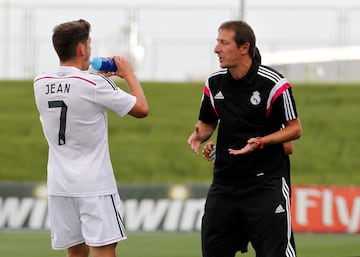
175	42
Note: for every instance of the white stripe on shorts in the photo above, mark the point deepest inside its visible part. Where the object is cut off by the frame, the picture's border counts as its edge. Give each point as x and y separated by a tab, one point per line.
290	252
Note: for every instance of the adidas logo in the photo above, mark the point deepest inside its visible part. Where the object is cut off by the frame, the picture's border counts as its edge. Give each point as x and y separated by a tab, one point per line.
219	95
280	209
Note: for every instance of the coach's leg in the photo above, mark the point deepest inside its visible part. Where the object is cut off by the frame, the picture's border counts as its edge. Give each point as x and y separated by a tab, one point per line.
103	251
272	233
81	250
220	236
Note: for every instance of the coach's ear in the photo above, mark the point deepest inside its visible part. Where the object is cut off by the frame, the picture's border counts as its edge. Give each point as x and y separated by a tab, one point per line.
244	48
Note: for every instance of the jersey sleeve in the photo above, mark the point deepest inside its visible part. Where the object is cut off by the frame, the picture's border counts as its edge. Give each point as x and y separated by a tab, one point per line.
281	97
290	112
110	96
208	112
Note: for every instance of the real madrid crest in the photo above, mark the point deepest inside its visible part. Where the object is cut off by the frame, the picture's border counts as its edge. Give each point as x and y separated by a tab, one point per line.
255	99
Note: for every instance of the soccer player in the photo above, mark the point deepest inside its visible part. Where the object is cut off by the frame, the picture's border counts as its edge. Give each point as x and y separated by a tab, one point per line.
248	199
84	204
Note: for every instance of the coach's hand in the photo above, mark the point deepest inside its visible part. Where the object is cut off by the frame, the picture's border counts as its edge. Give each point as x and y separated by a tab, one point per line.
209	151
252	144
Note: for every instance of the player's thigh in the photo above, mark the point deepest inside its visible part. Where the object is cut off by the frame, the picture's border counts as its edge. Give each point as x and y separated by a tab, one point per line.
65	225
103	251
81	250
102	223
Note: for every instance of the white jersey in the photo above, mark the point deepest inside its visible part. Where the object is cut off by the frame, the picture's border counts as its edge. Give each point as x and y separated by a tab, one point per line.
73	108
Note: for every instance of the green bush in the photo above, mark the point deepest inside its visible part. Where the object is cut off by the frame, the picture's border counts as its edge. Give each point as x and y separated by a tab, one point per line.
154	149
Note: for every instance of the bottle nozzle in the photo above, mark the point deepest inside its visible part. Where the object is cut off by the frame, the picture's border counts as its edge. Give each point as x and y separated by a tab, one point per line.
103	64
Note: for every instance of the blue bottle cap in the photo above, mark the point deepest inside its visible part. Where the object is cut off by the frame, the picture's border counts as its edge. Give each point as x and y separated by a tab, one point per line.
96	63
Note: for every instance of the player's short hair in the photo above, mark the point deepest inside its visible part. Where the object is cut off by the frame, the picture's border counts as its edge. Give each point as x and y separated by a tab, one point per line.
243	34
67	36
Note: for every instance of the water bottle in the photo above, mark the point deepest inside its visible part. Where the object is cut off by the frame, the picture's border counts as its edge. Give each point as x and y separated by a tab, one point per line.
103	64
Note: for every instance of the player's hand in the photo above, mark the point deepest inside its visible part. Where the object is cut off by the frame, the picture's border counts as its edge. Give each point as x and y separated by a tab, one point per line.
124	67
209	151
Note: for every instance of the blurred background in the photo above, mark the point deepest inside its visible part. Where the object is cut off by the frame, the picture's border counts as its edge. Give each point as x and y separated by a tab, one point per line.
173	40
314	43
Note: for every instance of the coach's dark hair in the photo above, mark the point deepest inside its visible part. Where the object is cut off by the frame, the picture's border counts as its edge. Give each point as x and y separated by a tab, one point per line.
67	36
243	34
257	55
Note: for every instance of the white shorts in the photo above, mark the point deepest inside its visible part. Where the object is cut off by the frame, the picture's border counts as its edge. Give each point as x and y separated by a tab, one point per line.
95	221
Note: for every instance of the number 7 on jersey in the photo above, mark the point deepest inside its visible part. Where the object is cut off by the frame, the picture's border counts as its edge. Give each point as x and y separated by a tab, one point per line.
63	106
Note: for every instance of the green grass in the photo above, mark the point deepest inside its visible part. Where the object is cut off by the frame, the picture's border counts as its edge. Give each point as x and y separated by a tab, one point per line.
161	244
154	150
328	151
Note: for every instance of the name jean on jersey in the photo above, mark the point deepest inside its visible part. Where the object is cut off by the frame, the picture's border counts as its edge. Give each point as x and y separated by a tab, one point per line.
57	88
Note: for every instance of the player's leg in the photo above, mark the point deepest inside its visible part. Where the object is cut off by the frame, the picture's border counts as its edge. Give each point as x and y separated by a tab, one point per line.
103	251
81	250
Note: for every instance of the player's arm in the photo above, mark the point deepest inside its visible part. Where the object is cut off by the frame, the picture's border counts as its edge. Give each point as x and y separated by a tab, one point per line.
125	71
202	132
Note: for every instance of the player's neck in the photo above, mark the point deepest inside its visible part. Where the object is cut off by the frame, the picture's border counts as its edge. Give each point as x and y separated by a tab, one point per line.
73	63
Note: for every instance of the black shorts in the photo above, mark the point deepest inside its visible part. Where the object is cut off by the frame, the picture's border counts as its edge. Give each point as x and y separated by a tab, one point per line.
262	217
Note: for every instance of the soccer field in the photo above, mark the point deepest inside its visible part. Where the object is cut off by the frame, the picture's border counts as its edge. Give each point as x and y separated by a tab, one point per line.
163	244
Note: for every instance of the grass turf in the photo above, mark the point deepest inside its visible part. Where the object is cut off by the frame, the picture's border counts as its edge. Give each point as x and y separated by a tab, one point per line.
154	150
161	244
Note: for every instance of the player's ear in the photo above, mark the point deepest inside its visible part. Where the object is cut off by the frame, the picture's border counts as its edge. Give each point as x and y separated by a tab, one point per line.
81	49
